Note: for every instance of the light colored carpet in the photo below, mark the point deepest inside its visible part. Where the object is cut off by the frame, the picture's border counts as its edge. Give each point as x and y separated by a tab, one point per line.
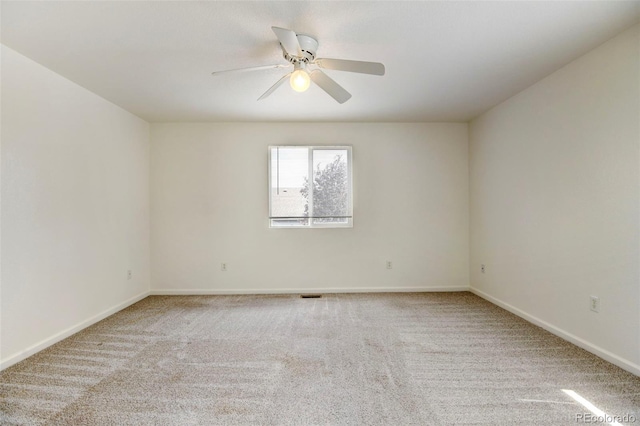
358	359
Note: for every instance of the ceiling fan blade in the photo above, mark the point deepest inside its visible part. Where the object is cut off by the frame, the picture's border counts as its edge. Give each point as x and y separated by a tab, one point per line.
288	40
336	91
375	68
263	67
275	86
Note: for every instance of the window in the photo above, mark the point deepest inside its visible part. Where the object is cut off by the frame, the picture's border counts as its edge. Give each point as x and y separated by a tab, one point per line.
294	202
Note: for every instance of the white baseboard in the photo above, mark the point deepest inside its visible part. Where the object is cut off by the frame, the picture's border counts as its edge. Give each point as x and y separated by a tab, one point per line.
596	350
15	358
187	292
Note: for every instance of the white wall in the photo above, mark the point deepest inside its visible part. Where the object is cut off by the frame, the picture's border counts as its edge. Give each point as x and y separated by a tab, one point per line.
555	198
210	205
75	207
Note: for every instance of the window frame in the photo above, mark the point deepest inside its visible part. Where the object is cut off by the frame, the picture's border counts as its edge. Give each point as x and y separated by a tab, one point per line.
311	149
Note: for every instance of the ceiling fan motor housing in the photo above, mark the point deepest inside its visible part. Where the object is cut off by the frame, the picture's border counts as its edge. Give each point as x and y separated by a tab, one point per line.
308	45
300	51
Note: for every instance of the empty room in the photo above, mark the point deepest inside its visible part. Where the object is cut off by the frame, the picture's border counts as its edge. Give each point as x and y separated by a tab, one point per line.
319	213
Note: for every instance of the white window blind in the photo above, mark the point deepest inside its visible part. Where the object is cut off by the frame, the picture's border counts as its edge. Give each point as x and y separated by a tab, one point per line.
310	186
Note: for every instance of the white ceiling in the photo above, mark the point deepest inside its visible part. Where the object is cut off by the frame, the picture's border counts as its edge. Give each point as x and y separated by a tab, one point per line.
445	61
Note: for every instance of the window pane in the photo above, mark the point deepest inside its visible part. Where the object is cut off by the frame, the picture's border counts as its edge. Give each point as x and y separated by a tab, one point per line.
289	173
330	186
310	186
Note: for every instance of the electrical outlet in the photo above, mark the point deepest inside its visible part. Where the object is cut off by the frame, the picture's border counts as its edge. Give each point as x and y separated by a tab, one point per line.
223	267
389	264
482	268
594	304
129	274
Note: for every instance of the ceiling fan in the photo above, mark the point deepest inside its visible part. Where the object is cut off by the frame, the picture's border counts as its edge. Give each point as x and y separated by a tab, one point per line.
300	51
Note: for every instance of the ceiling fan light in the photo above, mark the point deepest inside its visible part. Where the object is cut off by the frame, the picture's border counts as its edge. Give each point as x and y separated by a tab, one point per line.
300	80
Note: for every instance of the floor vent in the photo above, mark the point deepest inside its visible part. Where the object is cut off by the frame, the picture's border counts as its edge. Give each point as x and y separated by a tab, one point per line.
311	296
